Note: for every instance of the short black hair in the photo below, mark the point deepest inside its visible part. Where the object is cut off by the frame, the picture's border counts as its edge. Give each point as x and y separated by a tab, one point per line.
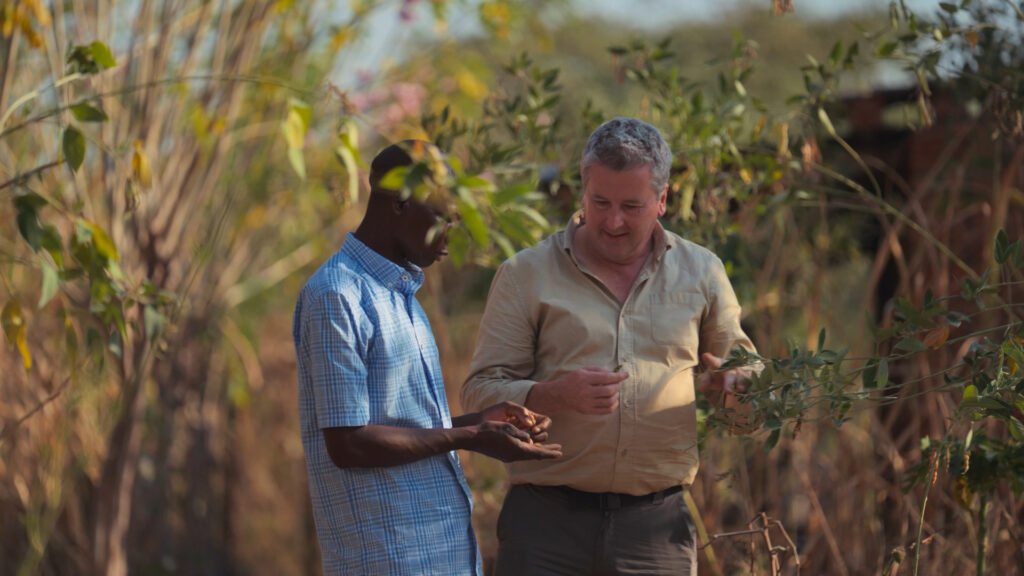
394	156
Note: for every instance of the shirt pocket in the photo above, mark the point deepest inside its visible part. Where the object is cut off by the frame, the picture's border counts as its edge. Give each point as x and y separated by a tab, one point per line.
675	319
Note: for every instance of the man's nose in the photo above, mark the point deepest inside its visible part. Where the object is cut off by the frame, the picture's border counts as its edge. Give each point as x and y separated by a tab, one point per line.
616	218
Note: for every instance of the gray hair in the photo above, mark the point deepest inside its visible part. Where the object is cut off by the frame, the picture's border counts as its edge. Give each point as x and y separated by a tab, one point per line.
627	143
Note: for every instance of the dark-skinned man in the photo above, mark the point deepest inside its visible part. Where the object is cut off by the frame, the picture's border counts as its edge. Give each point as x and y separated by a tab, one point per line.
388	491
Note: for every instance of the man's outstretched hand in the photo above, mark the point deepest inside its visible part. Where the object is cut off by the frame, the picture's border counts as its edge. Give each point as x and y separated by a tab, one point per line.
505	442
508	431
721	386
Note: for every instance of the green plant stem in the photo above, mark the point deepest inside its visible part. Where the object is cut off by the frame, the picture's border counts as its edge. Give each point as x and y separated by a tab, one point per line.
702	531
924	506
250	79
31	172
982	536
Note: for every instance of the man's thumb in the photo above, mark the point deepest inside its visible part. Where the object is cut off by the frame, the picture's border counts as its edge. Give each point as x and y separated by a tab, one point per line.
711	362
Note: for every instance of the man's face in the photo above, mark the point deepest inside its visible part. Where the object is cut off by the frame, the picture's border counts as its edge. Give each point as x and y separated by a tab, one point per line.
423	231
621	212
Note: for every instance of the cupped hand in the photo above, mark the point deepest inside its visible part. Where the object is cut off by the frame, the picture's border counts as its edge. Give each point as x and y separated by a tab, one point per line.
534	424
505	442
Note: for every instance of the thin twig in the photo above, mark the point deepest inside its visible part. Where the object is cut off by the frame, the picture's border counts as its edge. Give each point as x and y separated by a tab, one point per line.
9	430
31	172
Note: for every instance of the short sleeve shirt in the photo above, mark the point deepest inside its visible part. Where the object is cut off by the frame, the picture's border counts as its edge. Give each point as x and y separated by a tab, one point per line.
366	355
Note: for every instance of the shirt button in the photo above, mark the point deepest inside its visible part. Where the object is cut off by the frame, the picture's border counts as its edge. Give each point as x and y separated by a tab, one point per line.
405	278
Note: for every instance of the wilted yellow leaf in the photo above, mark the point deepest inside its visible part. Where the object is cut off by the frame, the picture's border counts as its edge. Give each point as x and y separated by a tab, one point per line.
963	493
470	85
101	240
936	336
16	330
140	166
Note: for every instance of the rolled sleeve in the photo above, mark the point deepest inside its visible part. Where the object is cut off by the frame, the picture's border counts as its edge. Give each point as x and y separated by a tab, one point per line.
721	330
503	363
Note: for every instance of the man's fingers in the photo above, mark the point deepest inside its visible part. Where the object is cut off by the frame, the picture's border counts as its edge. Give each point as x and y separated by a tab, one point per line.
515	432
603	405
545	451
605	391
610	378
542	422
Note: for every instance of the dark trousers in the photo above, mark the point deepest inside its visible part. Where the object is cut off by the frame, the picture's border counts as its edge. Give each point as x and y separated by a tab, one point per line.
551	530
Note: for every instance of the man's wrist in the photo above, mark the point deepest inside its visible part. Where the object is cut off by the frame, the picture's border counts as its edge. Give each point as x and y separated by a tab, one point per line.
542	398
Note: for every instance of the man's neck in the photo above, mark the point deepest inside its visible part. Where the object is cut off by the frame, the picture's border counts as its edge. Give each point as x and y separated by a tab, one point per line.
618	277
368	235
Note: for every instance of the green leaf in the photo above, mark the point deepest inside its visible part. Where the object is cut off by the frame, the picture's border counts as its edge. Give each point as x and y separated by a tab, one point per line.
83	112
473	222
28	225
970	392
986	403
154	322
298	161
475	183
910	344
772	440
511	194
837	53
458	245
512	225
886	50
869	375
826	122
102	55
101	240
883	373
74	148
51	280
394	179
347	159
949	7
1002	247
303	110
51	241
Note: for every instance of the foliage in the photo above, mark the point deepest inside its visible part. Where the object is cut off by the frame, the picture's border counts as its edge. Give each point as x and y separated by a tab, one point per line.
158	199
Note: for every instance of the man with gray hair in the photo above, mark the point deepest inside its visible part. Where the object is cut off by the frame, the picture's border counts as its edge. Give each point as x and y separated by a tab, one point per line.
602	326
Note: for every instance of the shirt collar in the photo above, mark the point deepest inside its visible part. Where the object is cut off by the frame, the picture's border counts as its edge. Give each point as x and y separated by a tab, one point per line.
661	237
405	279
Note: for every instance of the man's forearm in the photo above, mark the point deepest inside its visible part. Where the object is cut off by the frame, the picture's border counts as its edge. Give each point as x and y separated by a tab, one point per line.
468	419
373	445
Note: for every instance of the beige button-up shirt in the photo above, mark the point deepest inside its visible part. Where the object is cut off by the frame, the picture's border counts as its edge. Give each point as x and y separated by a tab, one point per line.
547	315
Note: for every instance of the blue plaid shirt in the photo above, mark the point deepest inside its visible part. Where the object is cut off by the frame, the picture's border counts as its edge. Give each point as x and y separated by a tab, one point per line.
367	356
